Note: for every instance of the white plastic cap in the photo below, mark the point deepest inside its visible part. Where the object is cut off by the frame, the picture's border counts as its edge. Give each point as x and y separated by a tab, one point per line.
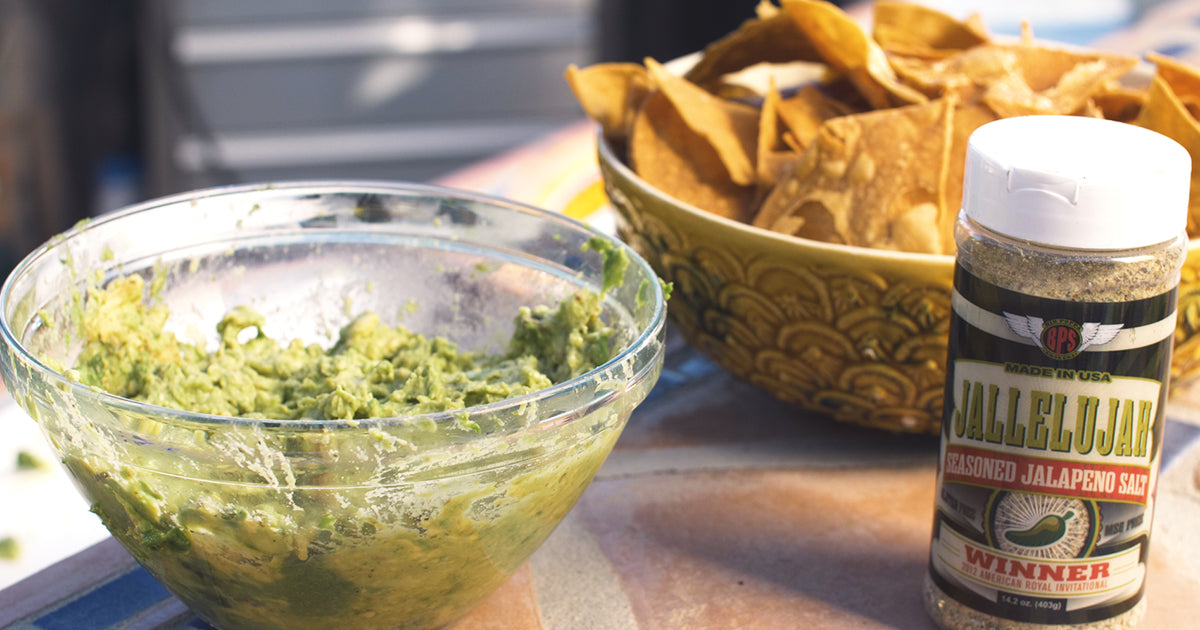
1076	182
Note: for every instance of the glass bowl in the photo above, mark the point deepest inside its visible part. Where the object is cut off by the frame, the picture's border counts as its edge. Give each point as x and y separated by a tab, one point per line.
395	522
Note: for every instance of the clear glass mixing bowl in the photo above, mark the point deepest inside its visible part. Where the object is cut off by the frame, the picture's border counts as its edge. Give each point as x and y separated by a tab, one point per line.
396	522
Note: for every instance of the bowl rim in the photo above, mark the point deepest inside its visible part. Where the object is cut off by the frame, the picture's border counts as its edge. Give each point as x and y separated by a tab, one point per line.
645	336
608	155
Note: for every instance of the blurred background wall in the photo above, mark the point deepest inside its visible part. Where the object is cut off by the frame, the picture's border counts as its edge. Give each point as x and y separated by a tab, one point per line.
259	90
103	103
68	86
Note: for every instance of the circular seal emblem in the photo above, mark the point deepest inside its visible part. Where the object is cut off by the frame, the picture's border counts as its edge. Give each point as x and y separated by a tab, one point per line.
1062	339
1042	526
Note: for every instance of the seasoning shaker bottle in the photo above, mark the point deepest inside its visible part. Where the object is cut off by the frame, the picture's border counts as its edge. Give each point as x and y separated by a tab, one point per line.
1070	242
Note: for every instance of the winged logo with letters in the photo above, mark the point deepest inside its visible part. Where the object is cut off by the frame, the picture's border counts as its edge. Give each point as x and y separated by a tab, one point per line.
1088	334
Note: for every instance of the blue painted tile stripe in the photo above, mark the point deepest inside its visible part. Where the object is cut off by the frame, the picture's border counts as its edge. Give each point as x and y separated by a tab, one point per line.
107	605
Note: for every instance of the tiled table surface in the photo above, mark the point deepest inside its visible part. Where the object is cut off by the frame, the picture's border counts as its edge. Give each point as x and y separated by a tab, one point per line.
721	508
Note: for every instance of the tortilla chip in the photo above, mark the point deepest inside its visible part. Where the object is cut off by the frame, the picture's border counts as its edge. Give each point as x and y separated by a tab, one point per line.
1183	79
1192	104
792	143
1044	67
770	136
775	156
916	229
1026	33
935	77
1012	96
1165	113
765	9
773	39
842	44
806	110
610	94
733	92
730	128
961	74
974	23
1119	103
863	173
670	156
967	118
1017	78
1090	110
918	31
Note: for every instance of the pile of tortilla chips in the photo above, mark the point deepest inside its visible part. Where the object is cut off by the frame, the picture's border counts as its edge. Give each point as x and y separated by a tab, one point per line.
803	123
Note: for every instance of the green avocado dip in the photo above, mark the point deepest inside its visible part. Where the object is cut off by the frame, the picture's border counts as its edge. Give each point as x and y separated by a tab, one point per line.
350	524
372	371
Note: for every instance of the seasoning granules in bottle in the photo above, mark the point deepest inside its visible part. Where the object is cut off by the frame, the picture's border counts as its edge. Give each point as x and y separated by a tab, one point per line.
1070	243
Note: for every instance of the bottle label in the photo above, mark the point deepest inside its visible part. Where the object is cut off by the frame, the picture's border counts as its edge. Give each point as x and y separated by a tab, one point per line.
1049	456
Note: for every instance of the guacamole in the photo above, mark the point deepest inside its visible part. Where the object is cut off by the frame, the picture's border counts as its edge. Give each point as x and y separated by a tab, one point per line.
372	371
338	531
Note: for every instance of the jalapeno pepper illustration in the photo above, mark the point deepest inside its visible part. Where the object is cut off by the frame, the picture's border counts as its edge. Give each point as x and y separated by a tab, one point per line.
1048	530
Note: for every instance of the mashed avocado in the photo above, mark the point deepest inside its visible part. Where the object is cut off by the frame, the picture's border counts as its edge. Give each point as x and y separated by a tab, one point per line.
321	541
373	371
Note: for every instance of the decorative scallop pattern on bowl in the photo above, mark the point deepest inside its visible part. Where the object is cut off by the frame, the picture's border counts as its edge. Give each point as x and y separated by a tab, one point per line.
854	334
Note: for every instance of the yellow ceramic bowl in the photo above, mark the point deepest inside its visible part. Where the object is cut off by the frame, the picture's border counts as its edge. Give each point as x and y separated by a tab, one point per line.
856	334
